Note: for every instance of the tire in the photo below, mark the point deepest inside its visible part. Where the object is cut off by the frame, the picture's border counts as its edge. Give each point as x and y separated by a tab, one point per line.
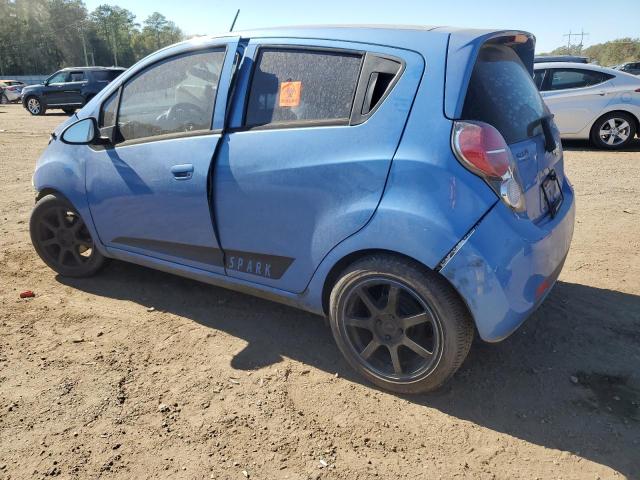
622	127
62	240
3	99
35	106
427	312
69	111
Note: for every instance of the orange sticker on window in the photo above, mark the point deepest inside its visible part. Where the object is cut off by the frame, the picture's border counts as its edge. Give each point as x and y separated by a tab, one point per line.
290	94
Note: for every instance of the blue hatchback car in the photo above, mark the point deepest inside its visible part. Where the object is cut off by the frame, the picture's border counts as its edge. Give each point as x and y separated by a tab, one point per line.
405	182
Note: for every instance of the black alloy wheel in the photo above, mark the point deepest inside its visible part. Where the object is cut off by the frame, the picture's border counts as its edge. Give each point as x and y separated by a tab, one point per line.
62	239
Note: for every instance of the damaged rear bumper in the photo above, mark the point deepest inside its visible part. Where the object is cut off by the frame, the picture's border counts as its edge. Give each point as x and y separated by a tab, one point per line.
506	268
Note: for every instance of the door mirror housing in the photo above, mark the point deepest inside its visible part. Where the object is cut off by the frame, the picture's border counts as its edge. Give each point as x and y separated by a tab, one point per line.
83	132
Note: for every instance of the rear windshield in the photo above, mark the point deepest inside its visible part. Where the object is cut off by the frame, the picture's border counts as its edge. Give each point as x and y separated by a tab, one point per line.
502	93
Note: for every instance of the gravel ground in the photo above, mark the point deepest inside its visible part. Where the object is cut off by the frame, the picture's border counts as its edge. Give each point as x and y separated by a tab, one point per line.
140	374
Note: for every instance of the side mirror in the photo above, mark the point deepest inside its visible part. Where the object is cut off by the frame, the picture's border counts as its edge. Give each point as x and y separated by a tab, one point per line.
83	132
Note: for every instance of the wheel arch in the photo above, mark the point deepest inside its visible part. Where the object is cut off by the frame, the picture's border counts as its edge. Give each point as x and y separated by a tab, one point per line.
51	191
616	110
36	96
339	266
78	202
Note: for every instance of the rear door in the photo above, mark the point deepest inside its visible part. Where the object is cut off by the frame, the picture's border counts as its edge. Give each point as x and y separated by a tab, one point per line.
71	94
149	193
576	96
502	93
303	166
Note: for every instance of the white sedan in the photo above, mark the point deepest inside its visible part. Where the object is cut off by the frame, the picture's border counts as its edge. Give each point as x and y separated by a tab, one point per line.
591	102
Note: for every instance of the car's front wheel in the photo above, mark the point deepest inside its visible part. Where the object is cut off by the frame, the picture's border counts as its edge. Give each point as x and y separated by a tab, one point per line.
35	106
399	325
62	239
614	130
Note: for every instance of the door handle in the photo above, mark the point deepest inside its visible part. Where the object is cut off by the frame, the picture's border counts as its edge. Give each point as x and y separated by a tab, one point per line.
602	94
182	172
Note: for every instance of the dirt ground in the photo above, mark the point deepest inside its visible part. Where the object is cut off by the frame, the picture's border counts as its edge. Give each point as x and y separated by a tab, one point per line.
140	374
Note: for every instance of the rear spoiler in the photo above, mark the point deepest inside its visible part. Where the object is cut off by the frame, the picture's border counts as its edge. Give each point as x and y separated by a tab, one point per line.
461	57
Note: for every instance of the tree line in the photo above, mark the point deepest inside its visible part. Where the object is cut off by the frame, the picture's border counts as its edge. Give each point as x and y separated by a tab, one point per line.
607	54
41	36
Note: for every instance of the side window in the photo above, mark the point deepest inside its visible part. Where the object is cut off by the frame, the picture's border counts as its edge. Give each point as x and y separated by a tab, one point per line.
109	110
105	75
296	85
60	77
538	78
575	78
174	96
76	77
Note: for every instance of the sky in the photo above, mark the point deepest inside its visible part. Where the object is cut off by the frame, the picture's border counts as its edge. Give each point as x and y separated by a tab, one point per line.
548	20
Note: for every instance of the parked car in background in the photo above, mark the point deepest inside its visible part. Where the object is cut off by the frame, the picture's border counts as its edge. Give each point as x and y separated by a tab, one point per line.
68	89
591	102
560	58
10	90
632	67
337	204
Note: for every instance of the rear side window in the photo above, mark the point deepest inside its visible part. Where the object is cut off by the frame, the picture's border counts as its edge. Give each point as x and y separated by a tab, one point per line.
105	75
295	85
502	93
76	77
174	96
565	78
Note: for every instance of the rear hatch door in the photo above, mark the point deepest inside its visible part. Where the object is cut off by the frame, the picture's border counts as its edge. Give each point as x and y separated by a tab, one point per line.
501	92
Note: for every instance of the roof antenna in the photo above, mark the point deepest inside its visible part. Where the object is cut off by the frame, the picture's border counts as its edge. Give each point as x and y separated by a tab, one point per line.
233	24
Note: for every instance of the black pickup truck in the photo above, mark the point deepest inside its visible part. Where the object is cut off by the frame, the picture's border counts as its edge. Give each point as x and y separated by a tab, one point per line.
68	89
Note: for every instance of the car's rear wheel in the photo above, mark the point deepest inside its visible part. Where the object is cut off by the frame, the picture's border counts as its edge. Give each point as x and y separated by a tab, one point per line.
613	130
35	106
399	325
62	239
69	111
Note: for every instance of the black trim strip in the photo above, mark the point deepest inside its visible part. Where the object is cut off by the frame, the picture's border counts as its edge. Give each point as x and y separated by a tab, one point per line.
251	263
196	253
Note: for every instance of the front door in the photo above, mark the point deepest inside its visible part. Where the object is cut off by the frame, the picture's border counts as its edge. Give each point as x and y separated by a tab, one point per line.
148	194
305	162
53	92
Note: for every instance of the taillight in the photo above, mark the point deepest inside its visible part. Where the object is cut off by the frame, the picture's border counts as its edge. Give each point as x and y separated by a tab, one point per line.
482	149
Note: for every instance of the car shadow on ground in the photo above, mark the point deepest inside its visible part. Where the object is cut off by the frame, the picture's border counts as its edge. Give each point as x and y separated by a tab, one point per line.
585	145
567	380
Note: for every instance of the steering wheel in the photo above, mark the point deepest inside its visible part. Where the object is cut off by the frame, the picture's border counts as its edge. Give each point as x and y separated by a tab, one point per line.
187	115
